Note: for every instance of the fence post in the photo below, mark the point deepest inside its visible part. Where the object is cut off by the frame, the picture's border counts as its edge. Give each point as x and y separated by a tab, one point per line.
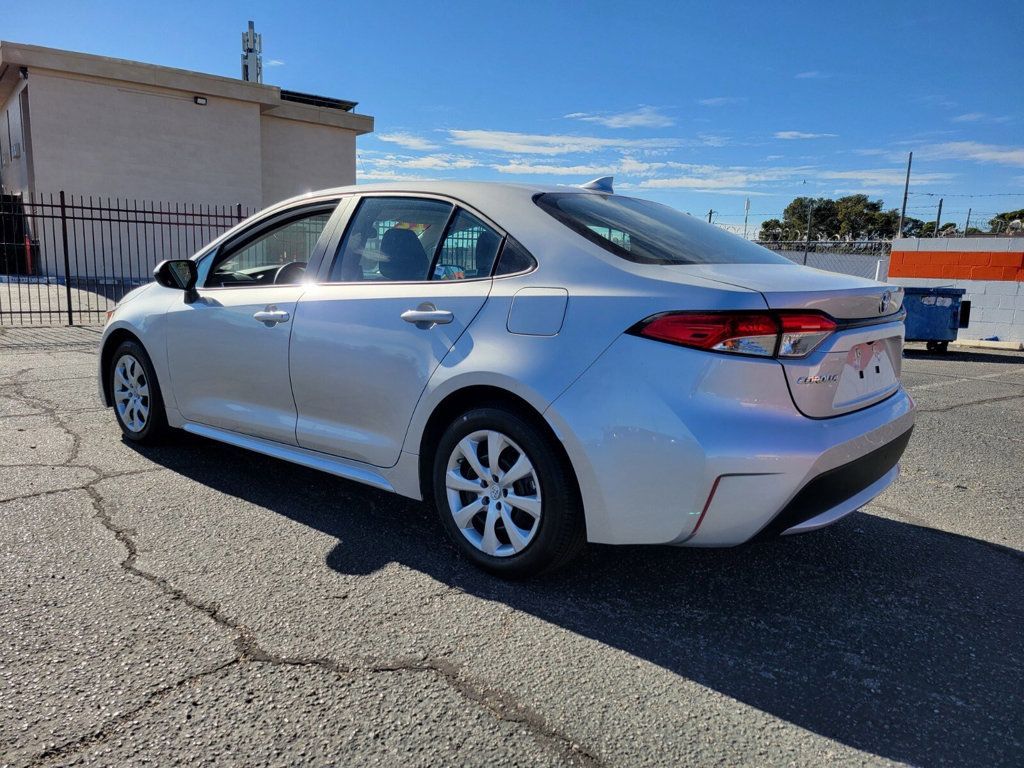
238	211
67	260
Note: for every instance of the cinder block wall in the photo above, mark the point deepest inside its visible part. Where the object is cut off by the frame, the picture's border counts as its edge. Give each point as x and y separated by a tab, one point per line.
990	269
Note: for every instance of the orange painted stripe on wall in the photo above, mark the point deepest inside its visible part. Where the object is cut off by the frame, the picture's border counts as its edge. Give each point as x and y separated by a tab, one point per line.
958	265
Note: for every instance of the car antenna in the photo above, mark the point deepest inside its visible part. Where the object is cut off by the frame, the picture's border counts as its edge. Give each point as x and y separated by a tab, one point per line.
602	184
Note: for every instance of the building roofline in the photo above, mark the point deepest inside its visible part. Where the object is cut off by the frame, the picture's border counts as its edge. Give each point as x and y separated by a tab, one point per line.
15	56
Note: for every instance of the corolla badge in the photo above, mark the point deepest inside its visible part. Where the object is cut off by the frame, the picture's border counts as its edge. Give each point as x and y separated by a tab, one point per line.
829	378
883	305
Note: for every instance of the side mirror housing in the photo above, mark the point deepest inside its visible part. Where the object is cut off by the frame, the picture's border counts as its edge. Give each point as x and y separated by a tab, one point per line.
179	274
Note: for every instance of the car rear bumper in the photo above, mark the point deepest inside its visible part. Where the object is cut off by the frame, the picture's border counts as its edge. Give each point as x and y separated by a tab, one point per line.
678	446
839	491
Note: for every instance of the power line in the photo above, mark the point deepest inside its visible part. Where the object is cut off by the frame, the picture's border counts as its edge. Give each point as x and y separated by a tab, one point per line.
992	194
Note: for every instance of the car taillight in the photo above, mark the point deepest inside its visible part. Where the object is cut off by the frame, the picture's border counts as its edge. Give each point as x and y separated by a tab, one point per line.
803	332
764	334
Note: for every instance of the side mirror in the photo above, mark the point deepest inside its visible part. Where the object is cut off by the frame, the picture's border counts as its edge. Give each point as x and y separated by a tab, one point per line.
180	274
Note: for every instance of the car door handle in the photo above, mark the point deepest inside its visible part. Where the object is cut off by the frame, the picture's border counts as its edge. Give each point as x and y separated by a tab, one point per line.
426	315
271	316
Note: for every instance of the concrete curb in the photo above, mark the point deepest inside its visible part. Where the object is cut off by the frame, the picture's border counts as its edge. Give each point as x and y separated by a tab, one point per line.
1013	346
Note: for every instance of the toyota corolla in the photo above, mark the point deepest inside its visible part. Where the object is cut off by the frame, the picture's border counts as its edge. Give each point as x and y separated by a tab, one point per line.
546	365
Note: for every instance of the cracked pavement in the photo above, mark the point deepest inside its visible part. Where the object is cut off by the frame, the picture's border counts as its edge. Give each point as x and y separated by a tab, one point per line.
196	604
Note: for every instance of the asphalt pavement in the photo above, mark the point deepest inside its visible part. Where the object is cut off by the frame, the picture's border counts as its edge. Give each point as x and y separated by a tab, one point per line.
199	604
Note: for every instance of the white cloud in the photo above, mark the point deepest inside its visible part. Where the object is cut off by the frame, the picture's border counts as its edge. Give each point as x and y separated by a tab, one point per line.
274	63
642	117
721	101
978	117
811	75
790	135
969	117
630	166
437	162
883	177
522	167
393	167
746	180
625	166
726	180
407	140
973	150
550	144
375	175
936	100
710	140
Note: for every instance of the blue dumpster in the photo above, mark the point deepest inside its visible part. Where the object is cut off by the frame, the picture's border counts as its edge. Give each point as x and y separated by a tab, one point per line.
935	315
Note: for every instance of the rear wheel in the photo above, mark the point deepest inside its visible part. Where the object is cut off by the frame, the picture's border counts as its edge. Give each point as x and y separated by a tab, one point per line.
135	393
505	495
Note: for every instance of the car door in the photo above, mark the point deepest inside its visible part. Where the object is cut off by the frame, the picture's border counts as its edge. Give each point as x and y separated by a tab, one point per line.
227	350
407	279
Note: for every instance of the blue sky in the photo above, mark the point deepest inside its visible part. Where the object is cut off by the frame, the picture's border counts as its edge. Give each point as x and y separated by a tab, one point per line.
697	105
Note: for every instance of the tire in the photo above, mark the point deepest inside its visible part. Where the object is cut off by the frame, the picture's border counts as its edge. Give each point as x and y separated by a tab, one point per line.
135	393
542	530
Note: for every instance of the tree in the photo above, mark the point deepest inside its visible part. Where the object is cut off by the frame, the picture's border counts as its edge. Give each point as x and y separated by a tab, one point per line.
771	230
853	217
912	227
928	229
1001	221
824	221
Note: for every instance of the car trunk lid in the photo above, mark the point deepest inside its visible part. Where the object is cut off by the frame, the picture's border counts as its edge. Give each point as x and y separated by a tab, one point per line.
860	363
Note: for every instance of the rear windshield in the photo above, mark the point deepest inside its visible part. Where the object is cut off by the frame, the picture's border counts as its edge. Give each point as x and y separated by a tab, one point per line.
651	233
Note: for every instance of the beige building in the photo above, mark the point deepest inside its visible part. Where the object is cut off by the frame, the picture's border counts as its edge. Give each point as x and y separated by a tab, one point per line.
91	125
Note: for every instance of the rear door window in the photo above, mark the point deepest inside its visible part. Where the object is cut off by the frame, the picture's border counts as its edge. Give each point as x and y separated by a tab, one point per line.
468	249
390	239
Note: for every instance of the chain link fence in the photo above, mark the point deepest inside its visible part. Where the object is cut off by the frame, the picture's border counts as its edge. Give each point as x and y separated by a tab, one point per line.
862	258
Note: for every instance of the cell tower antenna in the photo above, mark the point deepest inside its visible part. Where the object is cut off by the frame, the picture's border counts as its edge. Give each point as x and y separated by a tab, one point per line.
252	55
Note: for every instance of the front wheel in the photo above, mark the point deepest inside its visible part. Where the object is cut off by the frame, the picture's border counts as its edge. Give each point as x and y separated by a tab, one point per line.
138	405
505	495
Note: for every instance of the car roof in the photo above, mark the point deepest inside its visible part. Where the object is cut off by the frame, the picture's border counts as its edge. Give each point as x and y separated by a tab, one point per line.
479	192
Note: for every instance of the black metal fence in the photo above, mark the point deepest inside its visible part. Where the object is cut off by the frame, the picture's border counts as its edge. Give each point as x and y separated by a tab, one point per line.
68	259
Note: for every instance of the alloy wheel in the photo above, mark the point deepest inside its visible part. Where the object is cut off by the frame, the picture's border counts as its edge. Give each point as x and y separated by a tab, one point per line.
131	393
493	493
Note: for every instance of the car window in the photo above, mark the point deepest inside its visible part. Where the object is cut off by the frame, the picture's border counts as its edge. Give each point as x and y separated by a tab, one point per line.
514	258
390	239
276	256
468	249
651	233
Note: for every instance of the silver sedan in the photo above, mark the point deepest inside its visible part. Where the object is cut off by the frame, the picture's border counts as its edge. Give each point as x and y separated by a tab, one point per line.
547	365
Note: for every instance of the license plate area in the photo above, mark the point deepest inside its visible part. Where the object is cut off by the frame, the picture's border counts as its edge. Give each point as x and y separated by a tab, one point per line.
867	374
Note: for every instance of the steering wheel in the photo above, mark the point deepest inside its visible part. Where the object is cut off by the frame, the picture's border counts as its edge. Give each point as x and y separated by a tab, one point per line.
289	273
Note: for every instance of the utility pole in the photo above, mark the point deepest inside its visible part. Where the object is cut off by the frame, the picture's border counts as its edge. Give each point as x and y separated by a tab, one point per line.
746	214
968	224
938	219
906	191
807	244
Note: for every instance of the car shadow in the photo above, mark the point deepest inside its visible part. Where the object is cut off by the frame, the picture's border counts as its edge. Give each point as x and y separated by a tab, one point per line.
901	641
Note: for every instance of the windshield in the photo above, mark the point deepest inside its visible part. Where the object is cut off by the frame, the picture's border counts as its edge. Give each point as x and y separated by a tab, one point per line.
651	233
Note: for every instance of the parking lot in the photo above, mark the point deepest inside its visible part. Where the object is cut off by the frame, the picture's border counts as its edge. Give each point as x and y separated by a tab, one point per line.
198	604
